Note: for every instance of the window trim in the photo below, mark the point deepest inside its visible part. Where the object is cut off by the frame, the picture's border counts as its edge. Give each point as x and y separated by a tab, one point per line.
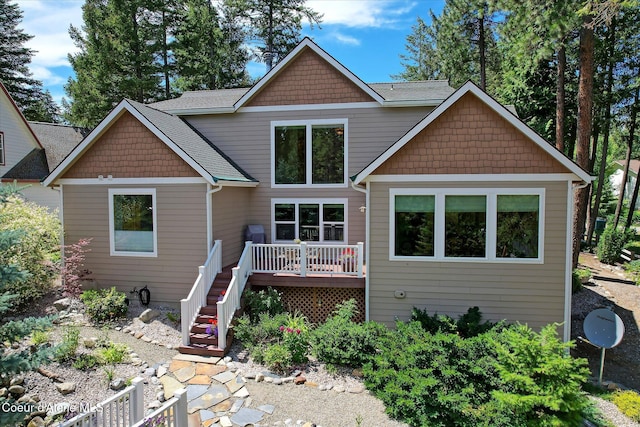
309	161
2	150
491	231
297	202
133	191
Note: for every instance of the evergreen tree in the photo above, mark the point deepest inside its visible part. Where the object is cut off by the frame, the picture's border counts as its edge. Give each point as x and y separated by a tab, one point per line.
275	25
421	62
15	57
14	362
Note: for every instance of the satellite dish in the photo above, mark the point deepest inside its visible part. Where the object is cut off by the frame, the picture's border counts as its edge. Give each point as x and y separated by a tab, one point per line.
603	328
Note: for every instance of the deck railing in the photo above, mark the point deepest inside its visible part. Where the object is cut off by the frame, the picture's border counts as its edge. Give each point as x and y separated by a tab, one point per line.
306	258
190	306
122	409
231	300
173	413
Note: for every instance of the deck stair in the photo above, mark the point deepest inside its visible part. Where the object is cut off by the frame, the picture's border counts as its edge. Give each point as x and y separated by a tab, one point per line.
201	343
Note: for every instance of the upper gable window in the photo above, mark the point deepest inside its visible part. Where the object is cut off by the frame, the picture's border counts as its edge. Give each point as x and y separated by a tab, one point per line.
1	149
309	153
132	222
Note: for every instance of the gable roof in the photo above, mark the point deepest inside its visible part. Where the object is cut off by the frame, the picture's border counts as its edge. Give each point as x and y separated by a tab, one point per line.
17	110
396	94
57	140
32	167
502	111
193	148
634	165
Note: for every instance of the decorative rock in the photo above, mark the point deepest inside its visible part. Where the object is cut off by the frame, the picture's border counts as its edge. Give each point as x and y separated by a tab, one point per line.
299	380
150	372
339	389
357	373
58	409
117	384
145	338
356	389
259	377
148	315
160	396
227	359
161	371
36	422
118	328
311	384
138	334
90	342
62	304
268	379
4	392
136	361
278	381
16	390
155	404
127	330
17	380
250	376
66	388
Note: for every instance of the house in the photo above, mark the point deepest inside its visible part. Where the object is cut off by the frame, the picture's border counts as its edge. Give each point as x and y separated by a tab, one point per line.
616	178
444	197
30	150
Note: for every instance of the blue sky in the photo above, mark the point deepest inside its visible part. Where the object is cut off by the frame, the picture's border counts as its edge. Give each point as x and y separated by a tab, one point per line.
367	36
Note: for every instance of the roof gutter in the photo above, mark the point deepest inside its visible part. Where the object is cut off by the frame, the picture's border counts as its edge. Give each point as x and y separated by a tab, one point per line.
200	111
413	103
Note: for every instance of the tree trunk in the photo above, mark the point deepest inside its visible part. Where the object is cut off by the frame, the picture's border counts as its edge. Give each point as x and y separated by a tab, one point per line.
632	135
165	58
482	53
607	127
560	94
585	104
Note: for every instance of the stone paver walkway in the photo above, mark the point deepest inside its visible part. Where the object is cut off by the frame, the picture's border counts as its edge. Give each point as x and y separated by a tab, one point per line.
216	395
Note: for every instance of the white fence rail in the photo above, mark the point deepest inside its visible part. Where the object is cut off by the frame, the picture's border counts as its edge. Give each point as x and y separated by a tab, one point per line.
190	306
172	414
122	409
231	300
305	259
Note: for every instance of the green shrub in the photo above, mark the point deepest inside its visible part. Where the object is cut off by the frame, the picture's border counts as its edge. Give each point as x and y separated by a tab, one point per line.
67	349
578	277
39	337
265	330
277	357
36	252
264	301
104	304
611	244
468	325
295	337
112	354
342	341
629	403
633	270
506	376
86	361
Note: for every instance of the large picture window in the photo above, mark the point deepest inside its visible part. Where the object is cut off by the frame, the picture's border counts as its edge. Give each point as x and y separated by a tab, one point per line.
309	221
132	222
501	225
309	153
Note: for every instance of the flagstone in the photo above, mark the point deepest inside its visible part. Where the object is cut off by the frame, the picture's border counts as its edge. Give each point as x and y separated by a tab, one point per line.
235	384
194	420
243	392
209	369
224	377
247	416
212	396
223	406
195	391
236	406
267	408
170	386
185	374
206	415
179	364
200	379
197	359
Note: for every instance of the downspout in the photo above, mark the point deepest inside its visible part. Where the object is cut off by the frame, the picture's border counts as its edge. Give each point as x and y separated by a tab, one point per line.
209	205
366	250
572	188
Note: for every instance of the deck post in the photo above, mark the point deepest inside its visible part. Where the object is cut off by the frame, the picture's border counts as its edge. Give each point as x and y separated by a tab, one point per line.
303	259
360	259
137	400
182	415
219	256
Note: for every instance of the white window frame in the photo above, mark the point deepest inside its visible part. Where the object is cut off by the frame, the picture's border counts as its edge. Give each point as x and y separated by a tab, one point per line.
321	202
2	149
309	161
133	191
491	231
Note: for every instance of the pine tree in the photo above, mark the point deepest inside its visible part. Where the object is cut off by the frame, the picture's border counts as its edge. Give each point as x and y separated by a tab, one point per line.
14	362
276	25
15	57
421	62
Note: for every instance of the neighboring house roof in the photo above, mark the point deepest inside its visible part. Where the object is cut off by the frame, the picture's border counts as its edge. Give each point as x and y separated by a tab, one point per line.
470	87
398	94
4	90
634	166
188	144
57	140
32	167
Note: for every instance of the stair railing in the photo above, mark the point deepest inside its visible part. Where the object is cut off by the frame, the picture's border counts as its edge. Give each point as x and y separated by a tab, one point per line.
227	307
190	306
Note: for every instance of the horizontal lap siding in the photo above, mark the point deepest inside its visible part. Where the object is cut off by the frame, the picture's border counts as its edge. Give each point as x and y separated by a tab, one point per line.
371	131
181	224
230	218
528	293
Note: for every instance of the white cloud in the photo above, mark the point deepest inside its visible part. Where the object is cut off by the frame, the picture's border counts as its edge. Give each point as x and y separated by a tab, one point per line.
48	22
362	13
345	39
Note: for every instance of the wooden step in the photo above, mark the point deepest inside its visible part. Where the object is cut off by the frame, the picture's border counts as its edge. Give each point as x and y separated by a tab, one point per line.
203	338
202	350
205	318
210	310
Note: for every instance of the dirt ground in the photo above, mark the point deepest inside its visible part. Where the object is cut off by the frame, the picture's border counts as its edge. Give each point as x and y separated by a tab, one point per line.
609	288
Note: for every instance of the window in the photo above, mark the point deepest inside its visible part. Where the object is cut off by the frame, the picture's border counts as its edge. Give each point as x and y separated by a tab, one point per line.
132	222
502	225
309	153
1	149
309	221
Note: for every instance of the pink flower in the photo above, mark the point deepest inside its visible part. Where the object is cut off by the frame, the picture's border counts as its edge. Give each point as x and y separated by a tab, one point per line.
298	331
289	330
281	328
